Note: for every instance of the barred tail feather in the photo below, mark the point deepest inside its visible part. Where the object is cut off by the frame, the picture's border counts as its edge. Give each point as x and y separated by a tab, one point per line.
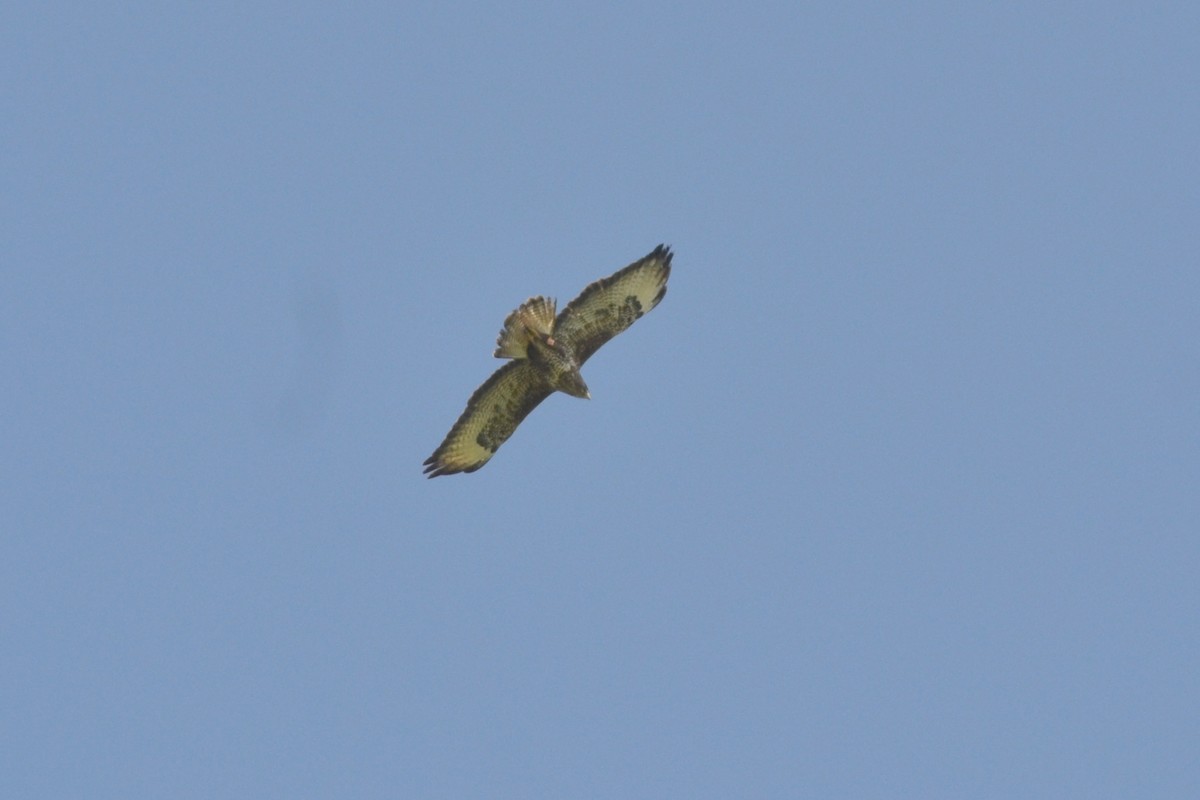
534	317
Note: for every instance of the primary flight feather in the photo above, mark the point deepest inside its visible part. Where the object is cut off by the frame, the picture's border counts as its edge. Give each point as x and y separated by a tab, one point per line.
547	352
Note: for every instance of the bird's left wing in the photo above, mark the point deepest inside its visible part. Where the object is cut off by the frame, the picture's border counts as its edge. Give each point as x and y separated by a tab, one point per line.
493	413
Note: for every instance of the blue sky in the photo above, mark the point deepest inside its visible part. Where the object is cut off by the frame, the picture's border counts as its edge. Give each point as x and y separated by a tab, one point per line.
895	495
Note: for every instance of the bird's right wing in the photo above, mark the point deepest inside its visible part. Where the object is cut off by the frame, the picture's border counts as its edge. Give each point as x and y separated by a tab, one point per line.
492	414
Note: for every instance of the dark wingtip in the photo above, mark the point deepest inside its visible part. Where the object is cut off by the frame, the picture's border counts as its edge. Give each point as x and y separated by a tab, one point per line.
662	253
432	467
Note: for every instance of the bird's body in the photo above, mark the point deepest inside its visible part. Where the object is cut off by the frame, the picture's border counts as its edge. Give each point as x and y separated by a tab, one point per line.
558	363
547	352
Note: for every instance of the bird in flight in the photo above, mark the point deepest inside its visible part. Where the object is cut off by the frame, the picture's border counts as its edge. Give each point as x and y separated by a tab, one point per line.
547	352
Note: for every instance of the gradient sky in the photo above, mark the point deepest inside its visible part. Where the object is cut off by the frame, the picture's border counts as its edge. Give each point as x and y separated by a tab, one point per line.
896	494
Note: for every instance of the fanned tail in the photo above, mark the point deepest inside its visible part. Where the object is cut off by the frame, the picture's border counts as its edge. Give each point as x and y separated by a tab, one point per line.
534	317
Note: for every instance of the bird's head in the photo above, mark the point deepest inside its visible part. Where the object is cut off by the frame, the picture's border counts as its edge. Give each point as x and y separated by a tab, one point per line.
572	383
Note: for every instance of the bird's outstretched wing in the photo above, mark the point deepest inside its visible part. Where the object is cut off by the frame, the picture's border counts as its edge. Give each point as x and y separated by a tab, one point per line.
493	413
612	304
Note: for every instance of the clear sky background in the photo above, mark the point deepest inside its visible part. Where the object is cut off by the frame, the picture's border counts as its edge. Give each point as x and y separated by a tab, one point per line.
897	494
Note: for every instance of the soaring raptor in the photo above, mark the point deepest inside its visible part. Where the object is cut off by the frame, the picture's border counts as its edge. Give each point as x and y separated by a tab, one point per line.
547	352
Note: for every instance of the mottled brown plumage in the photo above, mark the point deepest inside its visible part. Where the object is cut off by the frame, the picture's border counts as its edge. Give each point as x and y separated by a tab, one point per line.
547	352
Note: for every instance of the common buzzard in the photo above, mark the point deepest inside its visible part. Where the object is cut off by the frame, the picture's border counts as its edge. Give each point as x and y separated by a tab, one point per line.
547	352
